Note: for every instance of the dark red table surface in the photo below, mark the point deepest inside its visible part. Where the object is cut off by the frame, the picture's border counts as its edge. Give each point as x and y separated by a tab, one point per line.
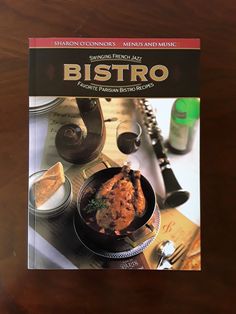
210	291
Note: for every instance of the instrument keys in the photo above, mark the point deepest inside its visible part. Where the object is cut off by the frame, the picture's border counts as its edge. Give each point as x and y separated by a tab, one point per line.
154	141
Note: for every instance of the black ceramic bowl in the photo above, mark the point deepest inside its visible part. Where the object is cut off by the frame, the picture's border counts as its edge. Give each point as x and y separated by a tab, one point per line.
112	241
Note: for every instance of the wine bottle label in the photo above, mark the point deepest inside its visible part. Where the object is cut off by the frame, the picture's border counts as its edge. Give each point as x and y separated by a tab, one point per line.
178	135
179	114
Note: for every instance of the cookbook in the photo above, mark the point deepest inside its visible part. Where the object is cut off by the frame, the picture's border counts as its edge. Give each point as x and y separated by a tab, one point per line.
114	167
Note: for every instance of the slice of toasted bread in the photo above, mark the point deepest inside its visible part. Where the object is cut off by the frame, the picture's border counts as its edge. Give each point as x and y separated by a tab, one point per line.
48	184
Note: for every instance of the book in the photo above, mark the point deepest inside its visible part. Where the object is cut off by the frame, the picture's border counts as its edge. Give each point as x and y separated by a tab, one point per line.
114	150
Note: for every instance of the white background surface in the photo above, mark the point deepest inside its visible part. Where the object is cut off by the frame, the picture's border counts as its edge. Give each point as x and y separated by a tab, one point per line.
186	167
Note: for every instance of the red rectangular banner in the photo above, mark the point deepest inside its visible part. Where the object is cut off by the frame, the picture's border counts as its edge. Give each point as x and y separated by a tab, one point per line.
119	43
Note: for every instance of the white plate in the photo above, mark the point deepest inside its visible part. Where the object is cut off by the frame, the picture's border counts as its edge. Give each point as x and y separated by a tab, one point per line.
56	201
38	101
46	108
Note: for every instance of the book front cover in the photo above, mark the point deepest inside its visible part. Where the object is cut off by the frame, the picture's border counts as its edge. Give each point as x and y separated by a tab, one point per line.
114	153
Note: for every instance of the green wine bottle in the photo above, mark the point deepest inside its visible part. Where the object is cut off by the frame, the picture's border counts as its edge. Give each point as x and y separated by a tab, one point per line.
184	116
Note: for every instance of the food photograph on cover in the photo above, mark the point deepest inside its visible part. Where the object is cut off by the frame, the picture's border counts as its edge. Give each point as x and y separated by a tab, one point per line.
114	183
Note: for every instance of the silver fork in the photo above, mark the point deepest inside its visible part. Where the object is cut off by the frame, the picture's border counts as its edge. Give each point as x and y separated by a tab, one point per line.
167	263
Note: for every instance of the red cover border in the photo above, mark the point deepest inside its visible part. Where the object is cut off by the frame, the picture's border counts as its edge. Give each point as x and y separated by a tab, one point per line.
116	43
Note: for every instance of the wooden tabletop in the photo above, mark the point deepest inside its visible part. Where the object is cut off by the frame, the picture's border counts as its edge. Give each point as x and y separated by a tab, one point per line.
209	291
